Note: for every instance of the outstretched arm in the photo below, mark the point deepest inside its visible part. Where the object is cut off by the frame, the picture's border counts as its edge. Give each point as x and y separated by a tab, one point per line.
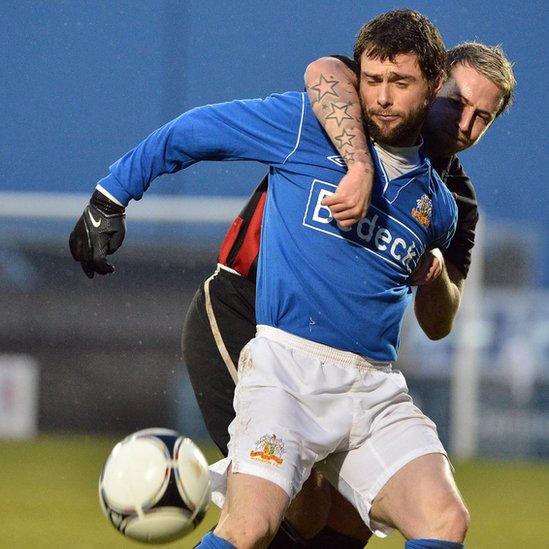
262	130
332	89
436	304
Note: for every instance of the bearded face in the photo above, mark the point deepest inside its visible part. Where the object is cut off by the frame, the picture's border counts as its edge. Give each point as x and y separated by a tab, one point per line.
393	127
395	98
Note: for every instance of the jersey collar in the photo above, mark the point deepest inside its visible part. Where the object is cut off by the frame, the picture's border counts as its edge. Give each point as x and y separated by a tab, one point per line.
390	188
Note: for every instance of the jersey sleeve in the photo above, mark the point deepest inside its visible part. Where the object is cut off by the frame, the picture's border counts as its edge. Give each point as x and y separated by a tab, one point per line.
265	130
444	227
459	249
444	240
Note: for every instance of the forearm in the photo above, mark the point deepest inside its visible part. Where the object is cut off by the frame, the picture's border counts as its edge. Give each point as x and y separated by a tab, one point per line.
160	153
332	89
437	303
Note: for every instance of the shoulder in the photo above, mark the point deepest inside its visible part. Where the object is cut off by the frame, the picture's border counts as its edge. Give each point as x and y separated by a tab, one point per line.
458	181
444	203
439	189
290	99
288	102
461	186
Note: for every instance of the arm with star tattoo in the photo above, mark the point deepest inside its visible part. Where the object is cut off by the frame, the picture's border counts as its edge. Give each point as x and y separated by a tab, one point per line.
332	89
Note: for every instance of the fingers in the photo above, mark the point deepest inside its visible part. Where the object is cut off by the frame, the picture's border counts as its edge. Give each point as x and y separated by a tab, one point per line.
347	218
338	204
79	242
87	267
100	248
97	265
90	268
429	268
331	200
345	210
91	243
433	272
345	213
115	241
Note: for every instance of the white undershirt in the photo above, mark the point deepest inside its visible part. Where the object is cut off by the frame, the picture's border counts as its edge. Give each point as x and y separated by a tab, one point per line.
398	160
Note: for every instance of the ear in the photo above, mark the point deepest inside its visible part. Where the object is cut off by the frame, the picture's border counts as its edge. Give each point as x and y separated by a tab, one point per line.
439	82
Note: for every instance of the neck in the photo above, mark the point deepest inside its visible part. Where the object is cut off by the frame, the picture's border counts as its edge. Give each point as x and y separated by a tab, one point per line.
402	151
412	141
398	160
431	146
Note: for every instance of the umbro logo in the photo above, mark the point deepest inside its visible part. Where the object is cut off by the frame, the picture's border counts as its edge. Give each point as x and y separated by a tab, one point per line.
336	159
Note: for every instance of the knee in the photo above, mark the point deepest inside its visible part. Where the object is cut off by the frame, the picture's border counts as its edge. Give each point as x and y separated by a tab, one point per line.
254	530
452	522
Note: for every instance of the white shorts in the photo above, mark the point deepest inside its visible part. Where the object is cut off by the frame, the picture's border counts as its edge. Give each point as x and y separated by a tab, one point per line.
298	403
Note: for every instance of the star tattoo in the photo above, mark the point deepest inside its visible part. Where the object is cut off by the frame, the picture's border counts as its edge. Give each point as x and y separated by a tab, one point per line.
324	87
349	157
345	139
339	114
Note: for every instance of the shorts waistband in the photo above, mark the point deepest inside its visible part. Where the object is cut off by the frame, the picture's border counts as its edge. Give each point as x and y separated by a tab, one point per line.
221	266
321	351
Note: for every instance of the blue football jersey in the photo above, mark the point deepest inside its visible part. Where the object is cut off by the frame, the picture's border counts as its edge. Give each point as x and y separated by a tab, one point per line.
344	287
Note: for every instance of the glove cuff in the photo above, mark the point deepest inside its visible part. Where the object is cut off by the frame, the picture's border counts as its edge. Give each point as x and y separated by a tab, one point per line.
105	205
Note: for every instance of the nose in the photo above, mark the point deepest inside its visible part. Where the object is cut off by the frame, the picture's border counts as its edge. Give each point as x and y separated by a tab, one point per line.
466	120
385	97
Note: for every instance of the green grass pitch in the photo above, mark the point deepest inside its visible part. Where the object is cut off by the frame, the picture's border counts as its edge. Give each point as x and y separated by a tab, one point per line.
49	499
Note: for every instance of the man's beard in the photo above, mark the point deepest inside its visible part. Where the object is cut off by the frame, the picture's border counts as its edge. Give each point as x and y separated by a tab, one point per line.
405	133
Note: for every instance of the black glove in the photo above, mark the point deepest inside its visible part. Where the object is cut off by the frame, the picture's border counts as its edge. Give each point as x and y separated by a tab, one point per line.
99	232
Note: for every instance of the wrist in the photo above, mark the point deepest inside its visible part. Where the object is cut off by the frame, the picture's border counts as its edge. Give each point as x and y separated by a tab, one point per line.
361	163
105	205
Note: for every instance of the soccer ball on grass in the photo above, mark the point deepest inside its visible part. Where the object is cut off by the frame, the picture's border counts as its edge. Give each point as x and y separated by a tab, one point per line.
155	486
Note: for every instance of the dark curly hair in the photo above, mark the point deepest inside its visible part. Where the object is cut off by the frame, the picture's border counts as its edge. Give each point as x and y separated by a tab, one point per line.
403	31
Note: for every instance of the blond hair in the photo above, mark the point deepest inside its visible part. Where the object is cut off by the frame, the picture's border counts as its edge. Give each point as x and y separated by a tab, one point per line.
489	61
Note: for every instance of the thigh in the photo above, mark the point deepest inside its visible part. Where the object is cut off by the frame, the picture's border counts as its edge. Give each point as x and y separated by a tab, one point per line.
252	511
285	419
345	519
398	435
310	509
208	370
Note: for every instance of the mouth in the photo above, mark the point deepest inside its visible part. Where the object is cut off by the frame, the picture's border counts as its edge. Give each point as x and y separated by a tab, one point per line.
386	117
462	143
458	139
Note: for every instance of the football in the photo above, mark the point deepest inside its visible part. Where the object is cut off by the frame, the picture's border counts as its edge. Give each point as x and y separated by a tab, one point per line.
155	486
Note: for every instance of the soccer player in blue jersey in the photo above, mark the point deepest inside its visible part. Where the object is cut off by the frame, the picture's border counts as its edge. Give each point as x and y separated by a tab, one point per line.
317	379
221	318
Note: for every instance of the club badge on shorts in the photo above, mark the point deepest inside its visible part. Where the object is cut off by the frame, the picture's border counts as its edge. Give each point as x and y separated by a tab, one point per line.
270	449
423	210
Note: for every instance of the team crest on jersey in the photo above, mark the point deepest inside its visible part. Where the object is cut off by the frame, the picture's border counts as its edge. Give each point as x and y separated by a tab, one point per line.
269	448
423	210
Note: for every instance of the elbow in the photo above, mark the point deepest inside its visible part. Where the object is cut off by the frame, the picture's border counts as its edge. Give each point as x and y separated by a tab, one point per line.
437	331
319	66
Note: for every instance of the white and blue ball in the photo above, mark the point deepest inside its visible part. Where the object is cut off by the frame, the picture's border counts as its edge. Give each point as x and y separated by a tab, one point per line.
155	486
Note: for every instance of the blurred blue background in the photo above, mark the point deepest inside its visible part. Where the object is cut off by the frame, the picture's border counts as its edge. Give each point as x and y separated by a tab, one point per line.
85	81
